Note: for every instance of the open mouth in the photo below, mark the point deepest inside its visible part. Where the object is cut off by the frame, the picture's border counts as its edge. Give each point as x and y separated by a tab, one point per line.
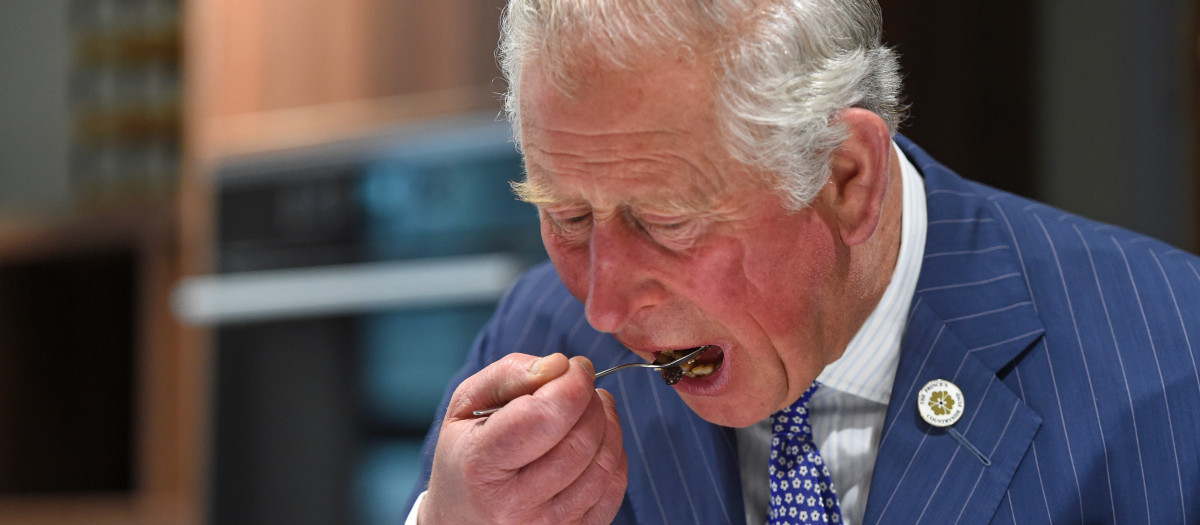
703	365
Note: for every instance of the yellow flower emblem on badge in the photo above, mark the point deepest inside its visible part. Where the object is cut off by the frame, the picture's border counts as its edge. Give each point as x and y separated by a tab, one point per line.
941	403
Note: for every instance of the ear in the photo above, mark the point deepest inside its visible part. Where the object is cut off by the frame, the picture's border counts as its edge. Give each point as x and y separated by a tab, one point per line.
861	170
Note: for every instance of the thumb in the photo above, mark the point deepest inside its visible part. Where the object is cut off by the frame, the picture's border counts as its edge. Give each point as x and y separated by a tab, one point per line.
513	376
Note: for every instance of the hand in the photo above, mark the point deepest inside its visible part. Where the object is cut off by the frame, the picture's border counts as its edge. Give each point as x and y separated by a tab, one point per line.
553	454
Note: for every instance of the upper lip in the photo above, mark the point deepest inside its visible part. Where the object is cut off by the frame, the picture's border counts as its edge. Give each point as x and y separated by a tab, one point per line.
684	349
654	350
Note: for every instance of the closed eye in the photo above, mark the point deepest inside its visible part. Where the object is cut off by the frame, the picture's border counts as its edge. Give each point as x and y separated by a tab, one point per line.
672	233
569	225
666	228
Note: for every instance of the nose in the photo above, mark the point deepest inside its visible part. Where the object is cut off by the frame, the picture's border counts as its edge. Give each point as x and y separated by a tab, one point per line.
623	269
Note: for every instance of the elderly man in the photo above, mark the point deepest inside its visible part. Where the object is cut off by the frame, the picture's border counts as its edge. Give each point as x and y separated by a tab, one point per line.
882	340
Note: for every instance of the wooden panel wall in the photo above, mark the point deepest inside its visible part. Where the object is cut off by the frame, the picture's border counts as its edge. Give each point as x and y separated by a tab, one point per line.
261	66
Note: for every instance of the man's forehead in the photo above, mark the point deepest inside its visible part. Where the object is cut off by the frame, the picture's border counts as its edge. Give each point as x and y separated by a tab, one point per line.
648	138
660	88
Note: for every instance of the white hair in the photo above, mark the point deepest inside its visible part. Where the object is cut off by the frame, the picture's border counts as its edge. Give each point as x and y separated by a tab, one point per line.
783	69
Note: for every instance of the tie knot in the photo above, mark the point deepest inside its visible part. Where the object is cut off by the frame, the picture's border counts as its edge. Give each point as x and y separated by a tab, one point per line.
794	418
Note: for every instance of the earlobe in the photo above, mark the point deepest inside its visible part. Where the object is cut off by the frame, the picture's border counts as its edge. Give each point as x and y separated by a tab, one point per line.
860	172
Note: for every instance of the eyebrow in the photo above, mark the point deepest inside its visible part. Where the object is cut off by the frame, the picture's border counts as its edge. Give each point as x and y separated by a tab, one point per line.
538	192
534	191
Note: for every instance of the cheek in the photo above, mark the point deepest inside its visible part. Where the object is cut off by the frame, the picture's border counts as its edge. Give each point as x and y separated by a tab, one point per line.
716	276
804	264
790	273
571	263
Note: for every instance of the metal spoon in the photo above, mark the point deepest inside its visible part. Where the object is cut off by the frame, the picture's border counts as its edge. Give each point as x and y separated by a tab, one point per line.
694	353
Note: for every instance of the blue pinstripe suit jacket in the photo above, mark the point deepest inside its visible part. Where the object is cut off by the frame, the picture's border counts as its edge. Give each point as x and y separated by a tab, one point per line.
1074	343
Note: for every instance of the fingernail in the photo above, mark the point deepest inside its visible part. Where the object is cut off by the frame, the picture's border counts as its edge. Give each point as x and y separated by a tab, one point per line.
586	363
536	366
606	395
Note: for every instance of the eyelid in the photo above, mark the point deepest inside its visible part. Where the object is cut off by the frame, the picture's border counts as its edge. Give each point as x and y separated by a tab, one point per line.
568	215
677	232
666	220
570	225
669	218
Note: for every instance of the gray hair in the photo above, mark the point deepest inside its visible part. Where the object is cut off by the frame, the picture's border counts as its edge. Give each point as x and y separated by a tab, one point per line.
783	69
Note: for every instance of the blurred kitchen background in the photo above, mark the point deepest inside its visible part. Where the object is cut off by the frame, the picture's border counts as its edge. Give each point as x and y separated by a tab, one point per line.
244	243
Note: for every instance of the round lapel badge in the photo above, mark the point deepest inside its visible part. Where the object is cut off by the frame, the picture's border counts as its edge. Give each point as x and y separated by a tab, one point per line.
940	403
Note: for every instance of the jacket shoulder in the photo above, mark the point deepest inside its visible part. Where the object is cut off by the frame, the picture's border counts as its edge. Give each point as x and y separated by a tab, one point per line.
539	316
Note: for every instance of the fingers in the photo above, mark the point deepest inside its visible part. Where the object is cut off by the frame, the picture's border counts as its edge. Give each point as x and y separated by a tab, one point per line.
570	456
553	453
600	489
530	426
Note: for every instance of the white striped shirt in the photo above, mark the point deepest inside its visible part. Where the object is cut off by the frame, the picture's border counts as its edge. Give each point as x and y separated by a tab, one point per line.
847	412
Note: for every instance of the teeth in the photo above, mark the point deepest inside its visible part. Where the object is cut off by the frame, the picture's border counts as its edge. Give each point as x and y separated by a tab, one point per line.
700	370
690	368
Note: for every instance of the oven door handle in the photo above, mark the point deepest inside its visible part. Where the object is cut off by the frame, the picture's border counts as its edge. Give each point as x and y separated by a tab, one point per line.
344	289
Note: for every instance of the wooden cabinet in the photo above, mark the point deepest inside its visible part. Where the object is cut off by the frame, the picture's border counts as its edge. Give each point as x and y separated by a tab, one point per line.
273	73
93	391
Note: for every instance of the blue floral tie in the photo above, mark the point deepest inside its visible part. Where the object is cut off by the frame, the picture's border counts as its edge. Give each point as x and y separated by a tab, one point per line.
801	489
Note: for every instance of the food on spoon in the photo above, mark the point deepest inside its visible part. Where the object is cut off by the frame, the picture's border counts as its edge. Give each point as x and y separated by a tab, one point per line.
671	374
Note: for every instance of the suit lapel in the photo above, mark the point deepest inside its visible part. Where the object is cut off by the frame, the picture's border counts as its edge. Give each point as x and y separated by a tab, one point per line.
924	474
971	317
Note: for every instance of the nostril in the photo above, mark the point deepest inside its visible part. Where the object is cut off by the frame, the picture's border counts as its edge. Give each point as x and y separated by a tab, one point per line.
612	302
603	317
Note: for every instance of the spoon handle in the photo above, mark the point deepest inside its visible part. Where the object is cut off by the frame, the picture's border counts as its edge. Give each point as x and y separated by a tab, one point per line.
695	352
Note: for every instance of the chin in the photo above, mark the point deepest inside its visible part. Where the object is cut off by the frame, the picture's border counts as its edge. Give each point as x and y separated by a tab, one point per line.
729	418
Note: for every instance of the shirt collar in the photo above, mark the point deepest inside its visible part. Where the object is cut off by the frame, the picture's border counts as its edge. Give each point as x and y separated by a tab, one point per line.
867	369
